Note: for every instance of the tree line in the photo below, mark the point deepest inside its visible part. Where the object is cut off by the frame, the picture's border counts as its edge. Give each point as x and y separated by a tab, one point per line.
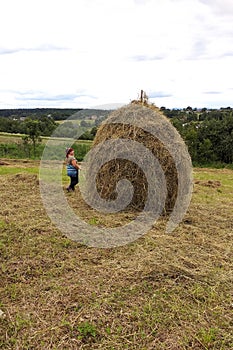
55	113
207	133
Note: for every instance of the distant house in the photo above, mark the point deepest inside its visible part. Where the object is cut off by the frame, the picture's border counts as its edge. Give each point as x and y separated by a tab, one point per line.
93	117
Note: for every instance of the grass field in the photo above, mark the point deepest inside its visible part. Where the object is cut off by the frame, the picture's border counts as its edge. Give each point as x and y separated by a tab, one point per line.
17	138
78	121
163	291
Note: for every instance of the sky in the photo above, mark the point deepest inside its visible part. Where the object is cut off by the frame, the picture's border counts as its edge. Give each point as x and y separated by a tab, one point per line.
101	53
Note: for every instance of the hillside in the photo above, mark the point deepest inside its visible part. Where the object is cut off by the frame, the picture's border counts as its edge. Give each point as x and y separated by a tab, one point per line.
55	113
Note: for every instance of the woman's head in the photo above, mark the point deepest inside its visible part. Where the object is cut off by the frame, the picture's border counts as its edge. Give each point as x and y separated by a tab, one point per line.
69	151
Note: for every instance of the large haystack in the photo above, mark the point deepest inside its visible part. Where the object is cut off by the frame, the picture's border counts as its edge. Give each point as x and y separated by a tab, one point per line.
147	126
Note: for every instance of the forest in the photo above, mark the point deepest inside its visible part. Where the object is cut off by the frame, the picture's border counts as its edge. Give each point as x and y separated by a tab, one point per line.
208	133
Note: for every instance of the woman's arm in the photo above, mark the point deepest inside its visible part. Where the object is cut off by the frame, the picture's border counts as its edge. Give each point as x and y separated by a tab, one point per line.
75	164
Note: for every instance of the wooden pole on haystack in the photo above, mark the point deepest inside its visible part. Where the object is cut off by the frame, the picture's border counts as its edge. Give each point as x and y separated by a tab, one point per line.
143	97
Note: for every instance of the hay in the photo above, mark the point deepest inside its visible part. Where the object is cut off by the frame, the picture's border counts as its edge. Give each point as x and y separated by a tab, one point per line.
140	123
209	183
3	162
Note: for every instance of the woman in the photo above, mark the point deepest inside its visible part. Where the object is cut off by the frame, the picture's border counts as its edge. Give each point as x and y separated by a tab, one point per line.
72	169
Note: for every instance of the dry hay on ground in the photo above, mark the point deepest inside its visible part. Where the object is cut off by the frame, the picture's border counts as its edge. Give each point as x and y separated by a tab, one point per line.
209	183
22	163
160	292
140	120
2	162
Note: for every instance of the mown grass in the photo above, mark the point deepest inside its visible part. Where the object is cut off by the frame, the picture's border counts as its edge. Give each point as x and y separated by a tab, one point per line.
214	186
160	292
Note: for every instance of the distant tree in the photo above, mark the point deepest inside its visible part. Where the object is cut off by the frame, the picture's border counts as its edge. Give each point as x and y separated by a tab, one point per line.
205	152
177	123
171	113
86	136
192	117
27	145
47	125
85	124
191	139
215	114
203	109
33	134
93	131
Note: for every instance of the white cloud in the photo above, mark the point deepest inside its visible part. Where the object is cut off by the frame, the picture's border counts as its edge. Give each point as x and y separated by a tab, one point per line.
222	7
107	51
